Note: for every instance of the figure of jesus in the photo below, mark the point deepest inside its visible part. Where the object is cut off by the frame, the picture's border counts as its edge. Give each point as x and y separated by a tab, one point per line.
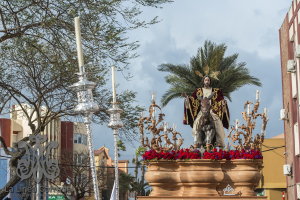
219	110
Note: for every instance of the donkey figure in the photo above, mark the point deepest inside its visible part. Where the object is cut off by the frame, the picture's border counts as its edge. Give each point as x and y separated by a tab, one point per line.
206	134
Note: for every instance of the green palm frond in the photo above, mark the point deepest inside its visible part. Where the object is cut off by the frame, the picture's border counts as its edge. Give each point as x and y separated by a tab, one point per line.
183	77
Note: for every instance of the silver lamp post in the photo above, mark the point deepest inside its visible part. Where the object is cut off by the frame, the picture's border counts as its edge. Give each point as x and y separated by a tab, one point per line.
115	123
86	107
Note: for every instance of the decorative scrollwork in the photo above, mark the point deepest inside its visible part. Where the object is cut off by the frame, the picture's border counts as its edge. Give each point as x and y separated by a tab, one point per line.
246	141
36	161
156	141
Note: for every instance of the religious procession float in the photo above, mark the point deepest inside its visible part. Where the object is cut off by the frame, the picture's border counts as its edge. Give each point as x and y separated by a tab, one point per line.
207	169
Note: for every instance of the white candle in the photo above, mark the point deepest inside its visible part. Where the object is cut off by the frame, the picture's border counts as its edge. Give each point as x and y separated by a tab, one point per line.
78	42
174	127
236	124
142	114
113	83
166	126
248	109
153	114
257	95
153	96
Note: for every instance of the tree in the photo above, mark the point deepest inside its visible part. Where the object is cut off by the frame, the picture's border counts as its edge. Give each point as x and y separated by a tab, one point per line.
183	77
125	182
38	60
139	152
139	186
121	147
75	167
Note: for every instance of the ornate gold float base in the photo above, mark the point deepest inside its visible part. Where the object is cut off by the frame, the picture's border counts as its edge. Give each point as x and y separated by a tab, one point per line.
203	198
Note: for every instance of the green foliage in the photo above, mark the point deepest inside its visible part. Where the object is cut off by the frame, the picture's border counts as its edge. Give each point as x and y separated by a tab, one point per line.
148	192
139	186
121	147
140	151
182	77
125	181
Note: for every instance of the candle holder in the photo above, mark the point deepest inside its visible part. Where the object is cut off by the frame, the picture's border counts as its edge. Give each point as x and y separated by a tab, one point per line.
257	95
86	107
156	140
246	131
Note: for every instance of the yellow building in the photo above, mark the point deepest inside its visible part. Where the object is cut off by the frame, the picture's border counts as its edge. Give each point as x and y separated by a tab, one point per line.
105	172
273	182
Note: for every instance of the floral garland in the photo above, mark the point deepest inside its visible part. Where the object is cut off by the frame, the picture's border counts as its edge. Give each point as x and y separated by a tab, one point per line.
213	155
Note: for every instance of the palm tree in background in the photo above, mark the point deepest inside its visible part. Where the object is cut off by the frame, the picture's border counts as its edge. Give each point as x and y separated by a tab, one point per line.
139	186
121	147
183	77
139	152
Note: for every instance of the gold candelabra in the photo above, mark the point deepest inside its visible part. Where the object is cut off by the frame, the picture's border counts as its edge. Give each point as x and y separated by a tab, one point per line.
246	130
151	123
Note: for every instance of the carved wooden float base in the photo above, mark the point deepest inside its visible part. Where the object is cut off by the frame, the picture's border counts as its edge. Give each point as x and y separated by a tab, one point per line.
196	179
203	198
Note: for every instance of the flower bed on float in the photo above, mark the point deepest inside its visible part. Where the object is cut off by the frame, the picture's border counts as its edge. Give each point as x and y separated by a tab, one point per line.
184	154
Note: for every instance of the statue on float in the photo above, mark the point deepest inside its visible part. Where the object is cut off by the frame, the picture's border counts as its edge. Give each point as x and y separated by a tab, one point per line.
206	111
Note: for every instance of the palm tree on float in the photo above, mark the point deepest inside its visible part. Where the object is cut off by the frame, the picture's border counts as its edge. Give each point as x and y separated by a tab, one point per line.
230	74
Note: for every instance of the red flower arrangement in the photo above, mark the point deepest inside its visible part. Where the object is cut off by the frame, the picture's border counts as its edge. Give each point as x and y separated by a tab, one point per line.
213	155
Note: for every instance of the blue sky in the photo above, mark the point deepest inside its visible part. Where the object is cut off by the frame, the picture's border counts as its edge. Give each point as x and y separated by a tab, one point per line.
248	27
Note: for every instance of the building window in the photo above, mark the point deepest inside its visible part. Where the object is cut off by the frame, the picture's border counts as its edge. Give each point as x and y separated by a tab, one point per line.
80	139
80	159
296	139
294	85
290	13
81	179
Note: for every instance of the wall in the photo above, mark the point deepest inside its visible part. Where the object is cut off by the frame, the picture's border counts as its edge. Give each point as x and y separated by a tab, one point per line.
6	131
286	53
273	157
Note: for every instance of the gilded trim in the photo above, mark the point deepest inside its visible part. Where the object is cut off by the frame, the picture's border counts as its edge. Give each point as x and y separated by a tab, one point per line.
216	105
195	104
200	93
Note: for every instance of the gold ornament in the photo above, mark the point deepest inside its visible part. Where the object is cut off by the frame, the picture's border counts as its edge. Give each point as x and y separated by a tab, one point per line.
199	74
212	74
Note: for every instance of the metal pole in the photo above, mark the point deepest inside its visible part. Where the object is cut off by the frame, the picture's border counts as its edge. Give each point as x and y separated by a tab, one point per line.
87	121
115	123
38	175
116	162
